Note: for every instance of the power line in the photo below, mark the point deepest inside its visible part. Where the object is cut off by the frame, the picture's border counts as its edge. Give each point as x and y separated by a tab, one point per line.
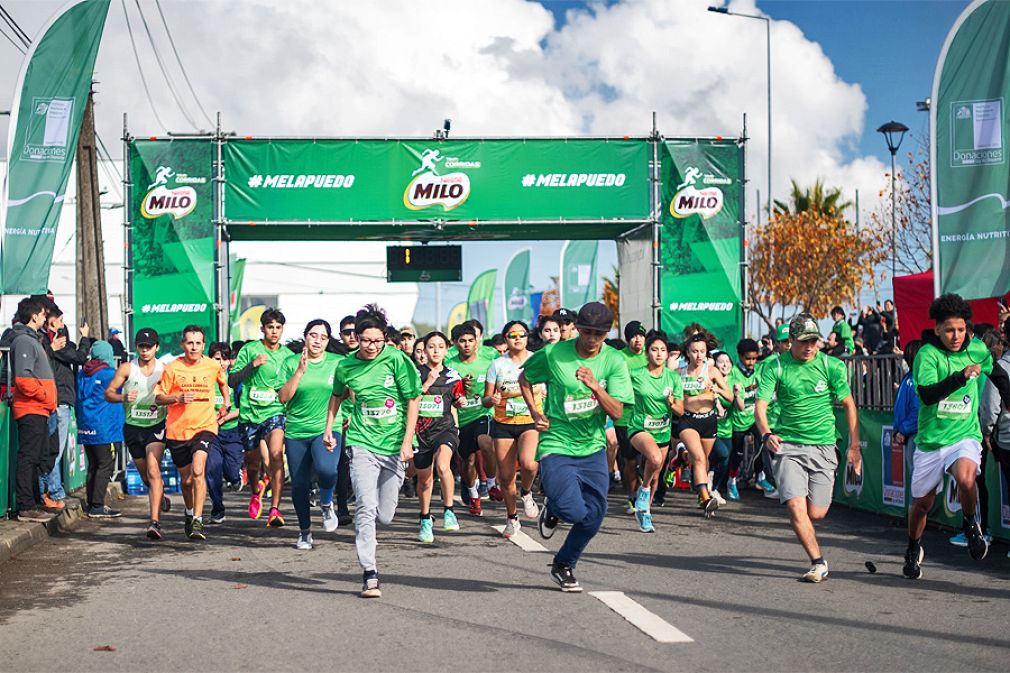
21	34
136	56
16	43
185	76
161	66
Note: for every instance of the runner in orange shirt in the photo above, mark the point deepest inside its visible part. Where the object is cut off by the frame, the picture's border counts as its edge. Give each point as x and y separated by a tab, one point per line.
187	388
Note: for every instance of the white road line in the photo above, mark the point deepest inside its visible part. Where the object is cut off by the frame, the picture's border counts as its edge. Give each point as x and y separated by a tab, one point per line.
522	540
649	623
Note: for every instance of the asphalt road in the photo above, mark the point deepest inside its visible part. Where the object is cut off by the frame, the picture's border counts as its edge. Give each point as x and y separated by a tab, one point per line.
245	600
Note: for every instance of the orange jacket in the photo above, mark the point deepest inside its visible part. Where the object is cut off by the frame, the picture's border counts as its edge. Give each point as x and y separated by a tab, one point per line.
34	384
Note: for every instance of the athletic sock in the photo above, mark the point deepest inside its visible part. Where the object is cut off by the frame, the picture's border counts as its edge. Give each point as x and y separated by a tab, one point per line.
425	515
190	512
914	542
370	574
473	491
818	560
492	482
447	508
198	518
524	493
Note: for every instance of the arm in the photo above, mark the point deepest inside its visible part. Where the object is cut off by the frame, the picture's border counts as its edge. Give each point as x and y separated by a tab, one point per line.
112	393
989	407
933	393
288	390
720	387
222	385
25	379
539	418
999	378
761	421
407	448
854	456
613	408
237	377
331	414
72	354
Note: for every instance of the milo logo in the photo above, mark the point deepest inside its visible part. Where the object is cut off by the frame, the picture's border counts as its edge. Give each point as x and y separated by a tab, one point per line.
164	200
428	188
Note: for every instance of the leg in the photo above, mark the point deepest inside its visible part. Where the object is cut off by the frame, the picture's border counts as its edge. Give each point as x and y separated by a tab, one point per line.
443	463
613	454
155	485
425	484
343	479
582	499
275	447
93	459
215	476
300	465
719	461
186	480
365	471
800	520
917	514
55	480
198	470
506	450
699	459
645	444
528	466
487	453
33	434
232	455
390	480
325	463
964	472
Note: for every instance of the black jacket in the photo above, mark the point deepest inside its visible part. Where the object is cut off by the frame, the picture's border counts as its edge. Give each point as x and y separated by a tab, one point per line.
65	363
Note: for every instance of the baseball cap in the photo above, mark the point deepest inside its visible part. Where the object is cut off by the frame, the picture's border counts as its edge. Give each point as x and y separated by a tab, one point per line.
594	316
632	329
408	329
782	332
804	328
146	337
566	315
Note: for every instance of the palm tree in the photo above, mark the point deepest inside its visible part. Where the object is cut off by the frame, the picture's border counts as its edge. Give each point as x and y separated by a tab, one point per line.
817	198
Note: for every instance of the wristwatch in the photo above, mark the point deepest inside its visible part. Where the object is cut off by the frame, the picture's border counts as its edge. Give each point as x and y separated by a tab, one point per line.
764	438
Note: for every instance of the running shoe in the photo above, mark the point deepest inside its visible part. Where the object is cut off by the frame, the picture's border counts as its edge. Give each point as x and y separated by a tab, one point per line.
495	493
710	506
304	541
548	523
188	526
330	522
913	563
642	500
645	522
482	489
731	491
275	520
50	504
154	531
763	485
166	503
217	517
563	575
450	524
718	498
818	573
344	518
475	508
978	546
426	535
959	540
512	527
630	509
370	587
530	509
104	512
196	530
256	503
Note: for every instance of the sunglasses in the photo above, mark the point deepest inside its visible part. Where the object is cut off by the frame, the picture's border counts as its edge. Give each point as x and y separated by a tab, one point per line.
516	335
347	332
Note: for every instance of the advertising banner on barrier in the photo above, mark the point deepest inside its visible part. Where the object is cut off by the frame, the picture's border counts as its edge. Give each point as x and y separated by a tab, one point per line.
516	289
172	238
970	162
500	179
700	244
578	277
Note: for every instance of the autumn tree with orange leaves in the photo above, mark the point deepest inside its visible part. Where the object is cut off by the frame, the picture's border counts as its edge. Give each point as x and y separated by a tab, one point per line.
811	259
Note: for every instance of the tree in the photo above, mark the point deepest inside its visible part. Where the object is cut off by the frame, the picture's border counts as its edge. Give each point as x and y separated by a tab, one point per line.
612	295
816	198
813	259
913	243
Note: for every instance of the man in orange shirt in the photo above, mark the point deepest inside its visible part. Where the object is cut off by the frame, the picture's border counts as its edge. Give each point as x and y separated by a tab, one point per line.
187	388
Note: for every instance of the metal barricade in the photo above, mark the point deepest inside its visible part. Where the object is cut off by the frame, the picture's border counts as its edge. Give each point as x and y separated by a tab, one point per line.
874	380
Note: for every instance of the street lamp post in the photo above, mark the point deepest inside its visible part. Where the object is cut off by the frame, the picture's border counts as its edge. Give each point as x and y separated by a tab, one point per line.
894	133
768	43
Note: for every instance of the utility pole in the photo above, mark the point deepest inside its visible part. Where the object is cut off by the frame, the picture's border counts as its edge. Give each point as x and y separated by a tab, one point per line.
92	300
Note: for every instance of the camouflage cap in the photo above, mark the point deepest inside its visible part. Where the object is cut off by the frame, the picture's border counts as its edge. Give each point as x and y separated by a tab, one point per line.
804	328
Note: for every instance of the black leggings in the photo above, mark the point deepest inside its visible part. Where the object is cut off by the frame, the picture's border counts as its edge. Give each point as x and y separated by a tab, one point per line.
736	456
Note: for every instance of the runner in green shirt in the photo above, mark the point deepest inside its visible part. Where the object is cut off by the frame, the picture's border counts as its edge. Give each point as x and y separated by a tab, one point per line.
743	381
306	396
658	397
718	459
807	382
764	477
586	382
947	374
261	415
625	455
387	396
842	331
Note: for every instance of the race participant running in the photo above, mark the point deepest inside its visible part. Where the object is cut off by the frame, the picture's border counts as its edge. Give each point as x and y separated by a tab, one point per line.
261	415
657	392
387	393
586	381
806	382
566	323
224	463
718	459
188	386
306	395
947	374
548	331
474	420
144	430
515	437
764	479
634	335
700	382
437	434
743	381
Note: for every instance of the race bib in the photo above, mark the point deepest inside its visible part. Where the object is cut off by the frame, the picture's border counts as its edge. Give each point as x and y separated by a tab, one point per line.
144	413
431	406
694	386
653	423
954	408
516	406
379	415
581	408
218	401
471	402
262	396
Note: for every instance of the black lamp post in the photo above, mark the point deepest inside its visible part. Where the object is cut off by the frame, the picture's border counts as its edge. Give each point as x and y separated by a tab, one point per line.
894	132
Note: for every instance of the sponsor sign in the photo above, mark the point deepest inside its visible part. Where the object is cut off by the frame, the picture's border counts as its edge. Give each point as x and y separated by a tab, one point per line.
892	467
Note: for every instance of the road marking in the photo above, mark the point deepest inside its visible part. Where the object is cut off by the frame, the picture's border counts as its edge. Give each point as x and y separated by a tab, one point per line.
647	622
522	540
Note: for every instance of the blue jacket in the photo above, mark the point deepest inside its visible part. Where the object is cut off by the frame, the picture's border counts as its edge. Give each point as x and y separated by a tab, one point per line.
906	407
98	421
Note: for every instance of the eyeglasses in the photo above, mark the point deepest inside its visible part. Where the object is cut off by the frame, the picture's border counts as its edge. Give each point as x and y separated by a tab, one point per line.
516	335
347	332
371	342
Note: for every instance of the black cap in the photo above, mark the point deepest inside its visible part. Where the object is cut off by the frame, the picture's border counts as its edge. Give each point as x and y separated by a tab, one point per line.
595	316
633	328
564	315
146	337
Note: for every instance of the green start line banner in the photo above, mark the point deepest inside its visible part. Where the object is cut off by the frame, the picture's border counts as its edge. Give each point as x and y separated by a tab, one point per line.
285	180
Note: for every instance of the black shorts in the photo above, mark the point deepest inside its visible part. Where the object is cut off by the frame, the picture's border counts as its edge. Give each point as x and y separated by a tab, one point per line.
662	447
424	456
624	448
705	424
254	433
183	450
469	433
137	439
510	431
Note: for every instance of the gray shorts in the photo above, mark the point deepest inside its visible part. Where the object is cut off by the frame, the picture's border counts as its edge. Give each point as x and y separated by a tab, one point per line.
805	471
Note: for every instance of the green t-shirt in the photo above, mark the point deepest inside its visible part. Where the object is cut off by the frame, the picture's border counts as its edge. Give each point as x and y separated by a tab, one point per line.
805	391
219	402
955	417
259	390
844	332
306	410
382	387
477	368
576	417
773	404
724	426
651	410
634	361
742	420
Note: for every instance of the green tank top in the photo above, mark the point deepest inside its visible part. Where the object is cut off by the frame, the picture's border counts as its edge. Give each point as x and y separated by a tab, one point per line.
143	412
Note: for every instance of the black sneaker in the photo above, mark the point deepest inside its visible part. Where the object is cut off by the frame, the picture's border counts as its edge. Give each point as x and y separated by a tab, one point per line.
977	545
35	515
548	522
370	586
344	518
913	563
154	531
196	530
166	503
104	512
189	525
217	517
563	575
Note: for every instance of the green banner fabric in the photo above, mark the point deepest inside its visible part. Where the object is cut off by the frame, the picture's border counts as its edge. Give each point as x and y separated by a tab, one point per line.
172	242
381	180
969	158
235	294
46	114
75	459
516	289
578	277
700	246
480	300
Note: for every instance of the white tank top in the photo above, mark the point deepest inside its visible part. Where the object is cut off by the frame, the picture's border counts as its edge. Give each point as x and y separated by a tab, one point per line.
143	412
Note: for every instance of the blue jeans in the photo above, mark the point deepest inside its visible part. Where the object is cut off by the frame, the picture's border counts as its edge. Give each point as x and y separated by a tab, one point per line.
303	456
224	463
718	462
576	490
59	423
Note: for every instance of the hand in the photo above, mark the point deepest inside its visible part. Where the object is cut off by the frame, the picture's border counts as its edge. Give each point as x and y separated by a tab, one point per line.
737	388
773	443
406	452
221	413
132	396
59	343
585	376
85	331
899	438
303	361
972	371
186	398
329	441
855	457
496	397
467	382
260	360
540	422
459	402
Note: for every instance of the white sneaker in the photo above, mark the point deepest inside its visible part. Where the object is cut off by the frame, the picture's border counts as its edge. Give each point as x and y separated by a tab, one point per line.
304	541
511	527
774	493
719	499
330	522
630	508
817	573
530	508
